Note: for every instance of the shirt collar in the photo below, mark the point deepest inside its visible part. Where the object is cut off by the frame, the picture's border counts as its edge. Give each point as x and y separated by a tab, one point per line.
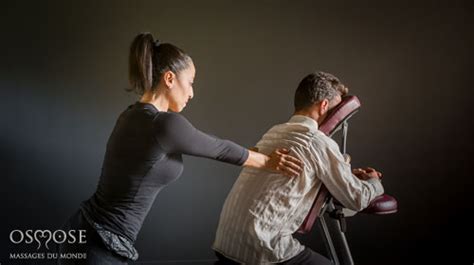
305	120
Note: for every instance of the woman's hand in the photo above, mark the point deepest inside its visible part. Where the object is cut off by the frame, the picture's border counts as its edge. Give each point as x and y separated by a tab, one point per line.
280	160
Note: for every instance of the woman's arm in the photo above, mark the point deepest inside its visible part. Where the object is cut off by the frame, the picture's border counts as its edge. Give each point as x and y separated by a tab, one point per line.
177	135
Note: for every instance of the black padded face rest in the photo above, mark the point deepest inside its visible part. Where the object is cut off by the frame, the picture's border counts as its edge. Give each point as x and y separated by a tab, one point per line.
342	112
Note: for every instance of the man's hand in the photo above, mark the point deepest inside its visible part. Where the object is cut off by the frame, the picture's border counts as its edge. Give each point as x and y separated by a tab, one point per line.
366	173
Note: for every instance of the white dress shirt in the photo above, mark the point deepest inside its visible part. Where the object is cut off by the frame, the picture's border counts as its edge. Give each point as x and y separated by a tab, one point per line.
264	208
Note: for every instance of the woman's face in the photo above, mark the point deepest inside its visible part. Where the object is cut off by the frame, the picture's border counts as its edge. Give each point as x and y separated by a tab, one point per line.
182	89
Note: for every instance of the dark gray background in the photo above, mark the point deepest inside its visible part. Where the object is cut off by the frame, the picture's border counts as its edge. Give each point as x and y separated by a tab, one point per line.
64	70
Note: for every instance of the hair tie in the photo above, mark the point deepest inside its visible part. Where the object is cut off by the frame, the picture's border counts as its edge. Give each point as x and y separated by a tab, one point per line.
156	43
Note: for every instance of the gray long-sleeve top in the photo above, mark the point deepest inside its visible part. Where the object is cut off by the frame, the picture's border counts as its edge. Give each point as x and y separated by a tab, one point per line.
144	154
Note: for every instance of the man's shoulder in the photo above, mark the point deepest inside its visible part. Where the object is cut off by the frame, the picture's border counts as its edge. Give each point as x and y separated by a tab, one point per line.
299	129
292	128
296	137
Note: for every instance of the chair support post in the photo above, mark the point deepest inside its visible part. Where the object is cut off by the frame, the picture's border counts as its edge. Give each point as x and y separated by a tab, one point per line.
345	127
339	236
328	240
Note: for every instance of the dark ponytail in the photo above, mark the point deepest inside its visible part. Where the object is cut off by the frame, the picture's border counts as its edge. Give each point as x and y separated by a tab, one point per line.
149	60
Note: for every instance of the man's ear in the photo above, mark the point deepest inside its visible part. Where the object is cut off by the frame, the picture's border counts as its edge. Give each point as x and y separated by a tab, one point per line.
323	107
169	78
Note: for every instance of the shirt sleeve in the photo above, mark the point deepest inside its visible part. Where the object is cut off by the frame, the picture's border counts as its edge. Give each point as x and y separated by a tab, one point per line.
176	134
336	174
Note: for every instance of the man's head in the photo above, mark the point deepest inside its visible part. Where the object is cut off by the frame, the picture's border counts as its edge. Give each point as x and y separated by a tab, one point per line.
318	93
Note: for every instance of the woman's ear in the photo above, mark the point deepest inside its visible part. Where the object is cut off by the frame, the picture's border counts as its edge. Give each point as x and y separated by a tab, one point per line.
169	78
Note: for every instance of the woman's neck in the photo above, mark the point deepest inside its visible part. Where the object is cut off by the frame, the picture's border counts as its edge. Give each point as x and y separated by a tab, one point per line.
156	98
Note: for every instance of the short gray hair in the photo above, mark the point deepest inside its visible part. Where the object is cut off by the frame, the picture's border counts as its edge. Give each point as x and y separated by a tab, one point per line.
316	87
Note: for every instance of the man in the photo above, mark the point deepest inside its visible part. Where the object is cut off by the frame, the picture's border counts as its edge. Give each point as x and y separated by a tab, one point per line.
264	209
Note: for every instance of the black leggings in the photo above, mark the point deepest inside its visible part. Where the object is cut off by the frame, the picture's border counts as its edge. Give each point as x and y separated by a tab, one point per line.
306	257
95	250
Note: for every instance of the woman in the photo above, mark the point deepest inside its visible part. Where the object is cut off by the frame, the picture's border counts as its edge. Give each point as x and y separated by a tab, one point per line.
144	154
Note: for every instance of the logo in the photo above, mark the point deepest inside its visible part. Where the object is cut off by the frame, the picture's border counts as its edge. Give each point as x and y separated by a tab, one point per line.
44	237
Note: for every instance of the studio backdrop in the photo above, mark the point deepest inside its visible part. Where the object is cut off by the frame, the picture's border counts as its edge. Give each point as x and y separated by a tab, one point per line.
63	75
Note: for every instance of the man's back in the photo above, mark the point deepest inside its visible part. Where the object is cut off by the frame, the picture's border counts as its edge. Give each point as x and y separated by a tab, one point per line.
264	209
